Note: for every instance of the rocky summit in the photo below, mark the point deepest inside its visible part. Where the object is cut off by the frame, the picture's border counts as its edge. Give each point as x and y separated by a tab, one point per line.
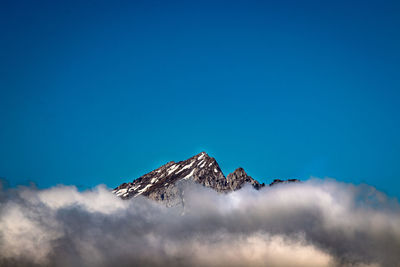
161	184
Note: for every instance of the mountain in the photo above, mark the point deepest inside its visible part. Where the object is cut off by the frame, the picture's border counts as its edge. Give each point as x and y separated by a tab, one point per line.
162	184
279	181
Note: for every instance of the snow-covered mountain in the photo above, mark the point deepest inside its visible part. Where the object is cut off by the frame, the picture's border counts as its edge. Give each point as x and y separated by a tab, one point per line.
161	184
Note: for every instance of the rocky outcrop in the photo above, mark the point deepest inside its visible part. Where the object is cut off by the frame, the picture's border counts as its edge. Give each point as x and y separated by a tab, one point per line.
239	178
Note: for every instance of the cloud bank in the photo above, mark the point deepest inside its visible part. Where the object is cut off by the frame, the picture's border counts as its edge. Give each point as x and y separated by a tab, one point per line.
315	223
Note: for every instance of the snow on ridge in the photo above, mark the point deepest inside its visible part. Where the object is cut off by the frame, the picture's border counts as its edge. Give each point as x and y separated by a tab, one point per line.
186	167
172	168
121	191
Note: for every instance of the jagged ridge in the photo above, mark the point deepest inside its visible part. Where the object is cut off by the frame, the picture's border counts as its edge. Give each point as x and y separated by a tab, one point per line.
200	168
160	184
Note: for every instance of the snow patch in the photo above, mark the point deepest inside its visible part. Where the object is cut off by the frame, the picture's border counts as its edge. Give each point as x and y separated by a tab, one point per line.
121	191
134	188
141	191
186	167
172	168
189	175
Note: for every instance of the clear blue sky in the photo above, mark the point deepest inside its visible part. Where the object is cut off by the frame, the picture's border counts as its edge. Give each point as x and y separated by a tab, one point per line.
102	92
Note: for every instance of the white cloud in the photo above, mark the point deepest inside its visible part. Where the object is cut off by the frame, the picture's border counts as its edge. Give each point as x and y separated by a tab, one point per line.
316	223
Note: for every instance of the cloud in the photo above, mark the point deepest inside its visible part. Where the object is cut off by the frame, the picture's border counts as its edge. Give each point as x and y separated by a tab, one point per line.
315	223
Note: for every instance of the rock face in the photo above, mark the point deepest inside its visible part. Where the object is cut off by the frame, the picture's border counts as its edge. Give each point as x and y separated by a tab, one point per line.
163	184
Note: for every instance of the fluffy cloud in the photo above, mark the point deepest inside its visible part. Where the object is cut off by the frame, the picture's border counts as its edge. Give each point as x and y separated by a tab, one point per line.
315	223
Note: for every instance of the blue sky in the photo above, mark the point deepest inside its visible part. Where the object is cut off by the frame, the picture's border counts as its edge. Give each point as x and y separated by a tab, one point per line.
104	91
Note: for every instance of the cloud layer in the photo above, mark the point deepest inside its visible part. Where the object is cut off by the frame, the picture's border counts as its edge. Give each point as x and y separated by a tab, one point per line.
315	223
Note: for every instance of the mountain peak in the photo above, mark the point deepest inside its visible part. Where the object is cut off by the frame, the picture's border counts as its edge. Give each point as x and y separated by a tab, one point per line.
279	181
203	153
160	184
200	168
240	171
239	177
200	156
